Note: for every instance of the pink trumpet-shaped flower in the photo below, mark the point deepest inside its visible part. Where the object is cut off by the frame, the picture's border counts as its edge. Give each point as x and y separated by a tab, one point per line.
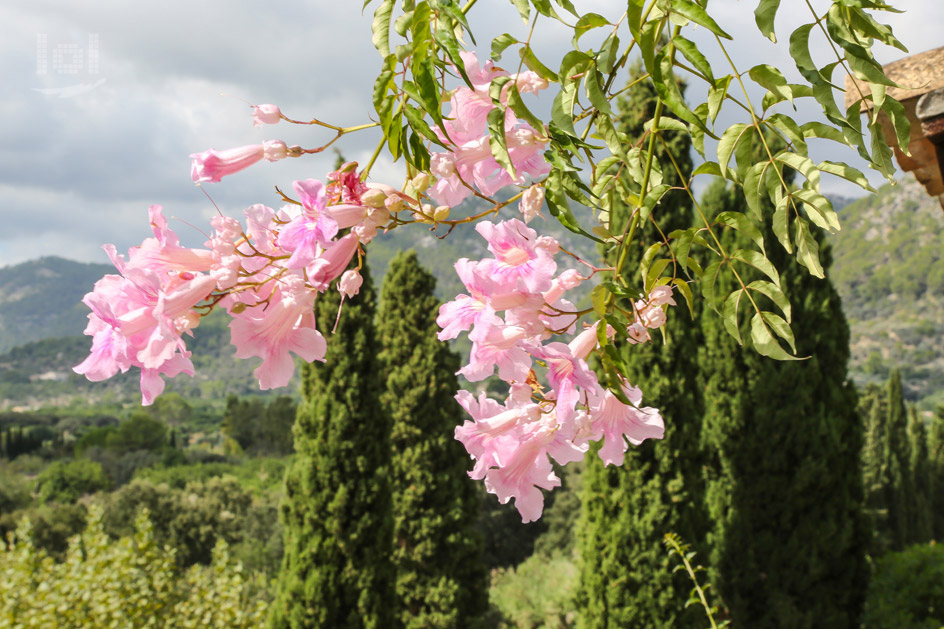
211	166
331	263
616	423
517	256
286	326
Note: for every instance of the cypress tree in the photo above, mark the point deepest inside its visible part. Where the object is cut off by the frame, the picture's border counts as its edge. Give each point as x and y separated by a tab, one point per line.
920	478
873	409
626	577
440	580
897	488
936	467
783	478
336	570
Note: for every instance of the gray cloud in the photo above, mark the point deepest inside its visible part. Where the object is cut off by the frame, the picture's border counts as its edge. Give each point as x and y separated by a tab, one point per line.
79	171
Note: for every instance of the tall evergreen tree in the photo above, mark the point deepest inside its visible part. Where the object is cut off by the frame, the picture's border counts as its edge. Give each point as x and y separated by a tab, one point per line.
873	409
626	577
784	440
920	507
441	581
336	571
936	465
897	486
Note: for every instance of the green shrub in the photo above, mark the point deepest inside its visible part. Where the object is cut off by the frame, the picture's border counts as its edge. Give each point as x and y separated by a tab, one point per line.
131	583
907	590
538	593
67	481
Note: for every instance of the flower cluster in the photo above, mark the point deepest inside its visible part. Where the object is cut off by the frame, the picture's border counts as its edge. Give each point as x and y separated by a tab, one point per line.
471	162
515	304
266	275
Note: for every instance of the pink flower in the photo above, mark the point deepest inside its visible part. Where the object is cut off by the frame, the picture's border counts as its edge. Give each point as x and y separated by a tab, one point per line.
332	262
517	256
498	345
637	333
616	422
286	326
661	295
311	228
212	165
521	471
265	114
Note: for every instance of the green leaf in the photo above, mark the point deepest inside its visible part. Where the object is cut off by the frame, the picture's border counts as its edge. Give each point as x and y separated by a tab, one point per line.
686	291
780	327
764	16
726	145
608	132
798	91
380	27
772	79
521	110
819	209
846	172
707	168
800	51
807	248
780	223
683	243
598	298
740	222
667	124
729	315
667	86
419	125
791	131
609	52
652	199
775	294
764	342
760	262
691	52
716	96
534	64
823	131
896	112
654	272
524	9
500	43
698	15
593	83
497	141
588	22
801	164
708	280
751	187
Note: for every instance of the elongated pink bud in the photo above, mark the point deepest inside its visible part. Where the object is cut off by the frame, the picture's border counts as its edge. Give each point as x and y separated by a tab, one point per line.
212	165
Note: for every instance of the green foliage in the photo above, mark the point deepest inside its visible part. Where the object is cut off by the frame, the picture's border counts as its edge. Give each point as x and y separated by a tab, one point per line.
919	467
14	489
440	580
907	590
537	593
133	582
787	540
336	570
625	576
190	520
138	432
67	481
51	525
936	472
259	428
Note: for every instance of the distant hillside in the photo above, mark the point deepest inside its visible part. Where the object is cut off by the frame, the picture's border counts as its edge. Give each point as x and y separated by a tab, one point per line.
42	299
889	269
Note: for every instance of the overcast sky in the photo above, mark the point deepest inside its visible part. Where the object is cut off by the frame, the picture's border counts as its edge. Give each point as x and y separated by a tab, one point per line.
104	101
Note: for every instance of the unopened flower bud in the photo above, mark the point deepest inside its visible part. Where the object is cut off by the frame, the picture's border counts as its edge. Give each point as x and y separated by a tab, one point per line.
420	182
350	283
394	203
531	201
653	317
237	308
373	198
265	114
274	150
549	244
426	216
441	212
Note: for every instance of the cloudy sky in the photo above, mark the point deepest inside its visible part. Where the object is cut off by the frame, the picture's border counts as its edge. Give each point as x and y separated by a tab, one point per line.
103	102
